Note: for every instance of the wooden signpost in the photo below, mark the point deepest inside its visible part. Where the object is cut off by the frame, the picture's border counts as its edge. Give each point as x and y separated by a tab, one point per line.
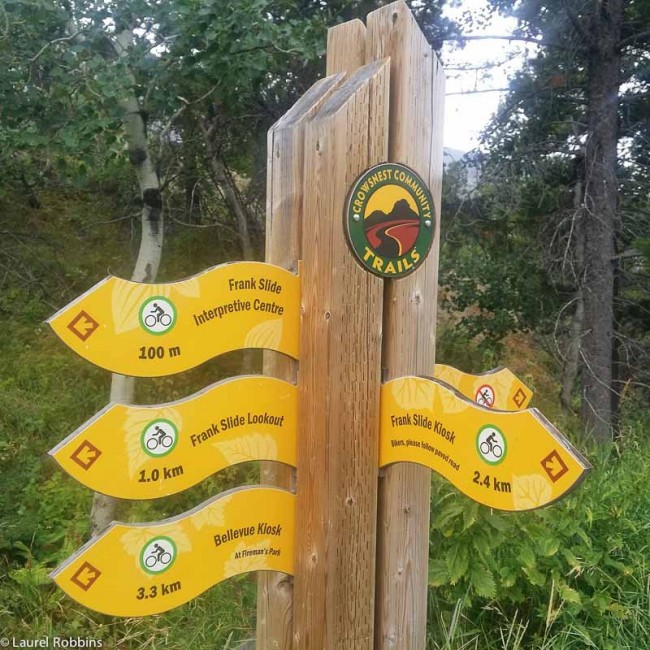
344	418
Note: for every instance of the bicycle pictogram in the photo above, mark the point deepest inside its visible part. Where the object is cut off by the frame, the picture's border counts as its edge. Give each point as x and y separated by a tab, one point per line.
158	554
159	437
491	444
157	315
485	396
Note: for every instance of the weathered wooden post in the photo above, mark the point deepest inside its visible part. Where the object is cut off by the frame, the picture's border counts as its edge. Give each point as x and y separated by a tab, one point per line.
414	131
340	350
284	199
416	123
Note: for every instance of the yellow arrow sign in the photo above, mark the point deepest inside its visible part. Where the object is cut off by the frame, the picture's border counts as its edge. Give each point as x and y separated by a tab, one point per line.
506	460
145	452
142	569
498	388
149	330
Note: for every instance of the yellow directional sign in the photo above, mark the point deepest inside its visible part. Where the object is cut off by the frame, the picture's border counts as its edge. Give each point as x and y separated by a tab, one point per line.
145	452
506	460
498	388
149	330
142	569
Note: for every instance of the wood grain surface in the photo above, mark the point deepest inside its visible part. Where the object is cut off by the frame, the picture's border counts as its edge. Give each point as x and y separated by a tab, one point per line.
285	161
339	378
416	115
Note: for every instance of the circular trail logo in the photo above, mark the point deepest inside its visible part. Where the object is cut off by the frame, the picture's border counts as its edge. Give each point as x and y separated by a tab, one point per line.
159	438
157	315
158	554
491	444
390	221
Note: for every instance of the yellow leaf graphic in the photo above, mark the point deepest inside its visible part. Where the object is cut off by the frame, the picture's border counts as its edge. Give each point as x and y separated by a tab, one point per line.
212	515
135	538
530	491
253	447
449	402
503	382
190	287
447	374
265	335
126	301
251	558
413	393
135	422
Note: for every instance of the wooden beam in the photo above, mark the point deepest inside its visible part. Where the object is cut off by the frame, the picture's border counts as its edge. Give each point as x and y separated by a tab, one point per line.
416	113
339	379
346	47
285	157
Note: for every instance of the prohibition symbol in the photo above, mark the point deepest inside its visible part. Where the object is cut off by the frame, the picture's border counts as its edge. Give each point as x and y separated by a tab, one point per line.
485	396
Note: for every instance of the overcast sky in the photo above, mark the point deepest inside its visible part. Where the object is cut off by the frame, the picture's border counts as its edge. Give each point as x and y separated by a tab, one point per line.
466	115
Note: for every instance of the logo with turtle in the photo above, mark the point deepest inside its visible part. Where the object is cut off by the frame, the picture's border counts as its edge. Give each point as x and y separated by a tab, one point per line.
390	220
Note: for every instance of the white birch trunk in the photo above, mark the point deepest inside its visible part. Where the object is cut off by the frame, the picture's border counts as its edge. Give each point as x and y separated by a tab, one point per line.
148	261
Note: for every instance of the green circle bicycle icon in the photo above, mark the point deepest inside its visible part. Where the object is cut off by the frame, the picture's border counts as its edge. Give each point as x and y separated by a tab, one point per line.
158	555
491	444
157	315
159	438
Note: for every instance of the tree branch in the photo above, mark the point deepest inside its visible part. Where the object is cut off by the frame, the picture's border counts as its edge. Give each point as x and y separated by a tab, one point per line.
182	109
477	92
578	26
63	39
460	38
635	37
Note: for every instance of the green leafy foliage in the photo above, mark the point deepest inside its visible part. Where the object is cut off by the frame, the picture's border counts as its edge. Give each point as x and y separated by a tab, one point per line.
581	564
